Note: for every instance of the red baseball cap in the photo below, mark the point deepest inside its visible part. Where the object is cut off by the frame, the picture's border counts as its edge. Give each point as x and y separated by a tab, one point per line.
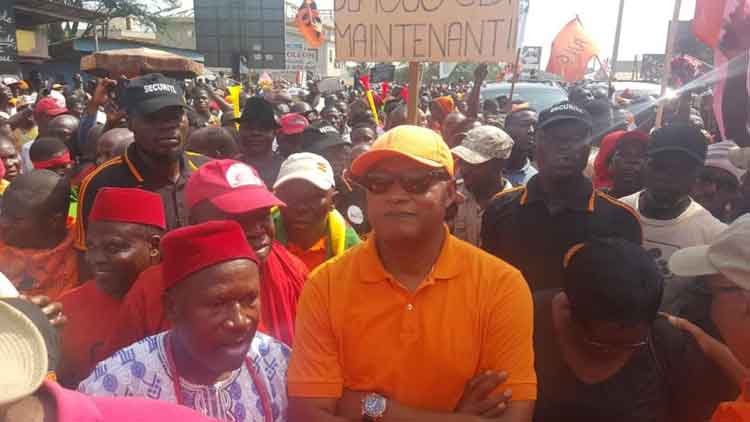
293	124
48	106
231	186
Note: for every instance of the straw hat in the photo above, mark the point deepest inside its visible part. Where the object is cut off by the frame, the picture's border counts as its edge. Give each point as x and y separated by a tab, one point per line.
23	355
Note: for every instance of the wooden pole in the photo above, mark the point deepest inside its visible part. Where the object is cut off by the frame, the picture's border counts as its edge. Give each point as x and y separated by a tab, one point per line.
515	79
616	48
415	84
668	61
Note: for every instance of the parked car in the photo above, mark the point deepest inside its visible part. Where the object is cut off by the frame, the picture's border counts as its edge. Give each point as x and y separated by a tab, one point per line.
540	95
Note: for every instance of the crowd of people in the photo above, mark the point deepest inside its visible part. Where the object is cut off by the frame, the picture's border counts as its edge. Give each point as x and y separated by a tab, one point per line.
171	255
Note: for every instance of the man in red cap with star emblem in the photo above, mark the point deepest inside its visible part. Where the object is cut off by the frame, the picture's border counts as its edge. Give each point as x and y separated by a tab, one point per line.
122	241
225	190
212	360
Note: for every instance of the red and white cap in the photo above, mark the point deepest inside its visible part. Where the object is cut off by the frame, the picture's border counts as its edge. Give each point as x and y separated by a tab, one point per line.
293	124
231	186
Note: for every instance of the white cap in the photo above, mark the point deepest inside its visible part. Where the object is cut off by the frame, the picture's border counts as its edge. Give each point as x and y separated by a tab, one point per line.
24	355
6	287
728	255
306	166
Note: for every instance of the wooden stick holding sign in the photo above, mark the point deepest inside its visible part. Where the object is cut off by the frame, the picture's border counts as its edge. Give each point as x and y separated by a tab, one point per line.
415	83
668	62
515	79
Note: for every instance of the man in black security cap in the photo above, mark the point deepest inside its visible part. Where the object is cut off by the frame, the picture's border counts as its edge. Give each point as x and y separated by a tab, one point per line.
532	227
258	127
157	160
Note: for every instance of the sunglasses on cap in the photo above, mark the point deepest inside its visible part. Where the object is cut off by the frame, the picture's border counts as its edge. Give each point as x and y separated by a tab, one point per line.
412	182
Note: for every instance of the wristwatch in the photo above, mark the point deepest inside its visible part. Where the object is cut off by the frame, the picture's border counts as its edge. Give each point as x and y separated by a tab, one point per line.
373	407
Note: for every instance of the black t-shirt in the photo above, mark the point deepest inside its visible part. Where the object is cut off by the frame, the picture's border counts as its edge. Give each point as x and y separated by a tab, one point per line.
663	381
352	204
533	233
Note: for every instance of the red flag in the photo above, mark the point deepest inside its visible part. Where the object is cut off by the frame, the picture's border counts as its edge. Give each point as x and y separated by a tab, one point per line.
571	51
708	19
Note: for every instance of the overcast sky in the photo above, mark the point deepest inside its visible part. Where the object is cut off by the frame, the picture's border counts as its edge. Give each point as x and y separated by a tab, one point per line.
644	28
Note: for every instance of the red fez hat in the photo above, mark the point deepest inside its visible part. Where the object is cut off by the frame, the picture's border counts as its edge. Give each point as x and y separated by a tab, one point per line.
128	205
187	250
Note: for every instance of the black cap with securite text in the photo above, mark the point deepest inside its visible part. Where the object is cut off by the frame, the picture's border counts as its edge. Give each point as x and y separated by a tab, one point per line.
564	111
153	92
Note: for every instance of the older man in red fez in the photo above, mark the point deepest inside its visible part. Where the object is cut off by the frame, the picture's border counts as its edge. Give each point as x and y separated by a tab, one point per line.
212	360
226	190
122	241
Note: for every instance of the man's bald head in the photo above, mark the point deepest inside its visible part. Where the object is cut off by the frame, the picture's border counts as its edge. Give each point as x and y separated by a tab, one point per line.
214	142
64	127
113	143
34	210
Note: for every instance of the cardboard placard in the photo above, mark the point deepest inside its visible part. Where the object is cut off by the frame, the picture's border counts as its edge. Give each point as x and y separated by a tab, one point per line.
382	72
479	31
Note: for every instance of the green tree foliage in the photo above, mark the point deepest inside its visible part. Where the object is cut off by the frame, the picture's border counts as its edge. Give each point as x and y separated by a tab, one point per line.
146	12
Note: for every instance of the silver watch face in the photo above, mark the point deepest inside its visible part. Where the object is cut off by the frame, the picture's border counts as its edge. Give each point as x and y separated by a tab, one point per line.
374	405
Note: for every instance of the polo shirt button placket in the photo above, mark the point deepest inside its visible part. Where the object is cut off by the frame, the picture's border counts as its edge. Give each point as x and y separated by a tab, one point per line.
410	325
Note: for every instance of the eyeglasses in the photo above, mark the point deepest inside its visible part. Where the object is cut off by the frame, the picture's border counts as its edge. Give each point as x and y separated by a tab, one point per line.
414	183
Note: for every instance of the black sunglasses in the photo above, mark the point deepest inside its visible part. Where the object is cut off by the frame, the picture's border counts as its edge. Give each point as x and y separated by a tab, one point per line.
415	183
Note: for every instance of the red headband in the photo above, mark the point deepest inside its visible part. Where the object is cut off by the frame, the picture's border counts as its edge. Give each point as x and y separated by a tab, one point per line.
60	161
128	205
187	250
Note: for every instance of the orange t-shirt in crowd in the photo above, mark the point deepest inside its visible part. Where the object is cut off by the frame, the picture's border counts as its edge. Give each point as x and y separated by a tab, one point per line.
92	315
360	329
313	257
142	311
48	272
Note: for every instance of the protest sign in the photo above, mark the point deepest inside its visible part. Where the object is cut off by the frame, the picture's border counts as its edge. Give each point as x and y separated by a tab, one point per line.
382	72
426	30
300	57
8	47
531	58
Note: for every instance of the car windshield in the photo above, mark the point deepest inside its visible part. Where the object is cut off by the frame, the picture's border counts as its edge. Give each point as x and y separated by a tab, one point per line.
539	96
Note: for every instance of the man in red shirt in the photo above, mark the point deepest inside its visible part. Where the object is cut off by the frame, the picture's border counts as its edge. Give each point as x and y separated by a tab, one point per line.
122	241
225	190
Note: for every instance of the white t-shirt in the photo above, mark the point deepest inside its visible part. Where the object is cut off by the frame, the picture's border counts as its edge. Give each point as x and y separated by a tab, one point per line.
661	238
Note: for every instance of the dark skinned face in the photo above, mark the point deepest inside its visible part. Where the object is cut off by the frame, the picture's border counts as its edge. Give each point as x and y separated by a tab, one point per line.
669	176
627	164
11	159
362	135
396	215
215	314
118	252
340	158
201	102
257	224
307	206
481	179
562	151
29	224
255	140
716	190
161	135
521	128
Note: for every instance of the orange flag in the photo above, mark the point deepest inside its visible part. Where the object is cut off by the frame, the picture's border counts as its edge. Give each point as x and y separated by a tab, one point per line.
309	23
709	16
571	51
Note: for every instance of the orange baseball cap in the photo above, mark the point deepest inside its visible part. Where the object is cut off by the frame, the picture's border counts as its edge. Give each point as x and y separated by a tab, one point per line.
418	144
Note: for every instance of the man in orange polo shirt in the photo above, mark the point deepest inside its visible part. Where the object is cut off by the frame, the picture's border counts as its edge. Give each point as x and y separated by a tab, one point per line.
413	324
